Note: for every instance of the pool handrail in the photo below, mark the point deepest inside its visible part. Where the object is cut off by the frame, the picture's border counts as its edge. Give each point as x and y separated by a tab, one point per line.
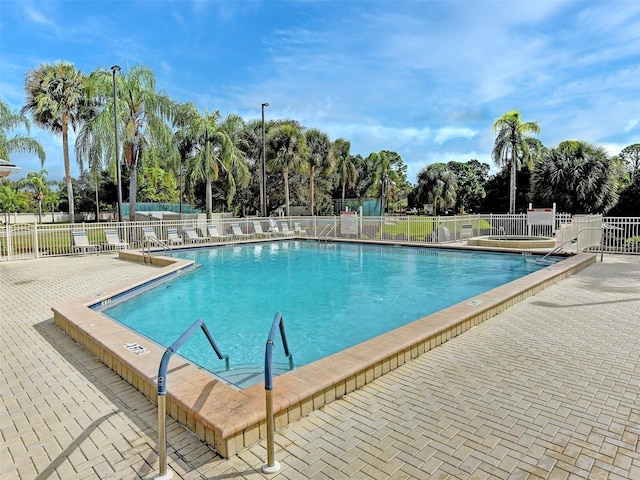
278	323
162	388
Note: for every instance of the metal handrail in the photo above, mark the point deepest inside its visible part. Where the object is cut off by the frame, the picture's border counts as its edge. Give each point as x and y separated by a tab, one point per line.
278	323
330	227
162	389
574	240
148	241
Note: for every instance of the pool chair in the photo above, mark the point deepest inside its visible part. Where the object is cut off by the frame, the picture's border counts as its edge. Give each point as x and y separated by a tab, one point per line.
173	237
285	230
193	237
212	230
81	242
113	240
149	234
238	233
298	230
257	227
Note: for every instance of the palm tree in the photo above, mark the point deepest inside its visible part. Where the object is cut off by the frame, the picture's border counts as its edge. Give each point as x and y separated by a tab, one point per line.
234	165
320	157
12	200
212	149
290	153
55	94
438	185
37	181
142	116
18	143
578	177
345	166
511	147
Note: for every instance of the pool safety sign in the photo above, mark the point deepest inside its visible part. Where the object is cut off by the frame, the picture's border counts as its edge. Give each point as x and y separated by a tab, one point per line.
136	349
541	216
349	223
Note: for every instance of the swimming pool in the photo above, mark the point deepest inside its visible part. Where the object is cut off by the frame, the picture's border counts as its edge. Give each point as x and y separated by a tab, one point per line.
332	296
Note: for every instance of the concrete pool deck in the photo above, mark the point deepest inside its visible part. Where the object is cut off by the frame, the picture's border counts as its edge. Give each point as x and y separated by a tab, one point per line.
545	389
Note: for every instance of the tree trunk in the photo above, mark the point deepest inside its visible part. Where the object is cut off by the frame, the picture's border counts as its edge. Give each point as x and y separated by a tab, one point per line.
133	183
311	190
208	199
512	188
67	166
286	190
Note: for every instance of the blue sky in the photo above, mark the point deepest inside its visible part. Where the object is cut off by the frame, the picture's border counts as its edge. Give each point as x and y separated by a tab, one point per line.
426	79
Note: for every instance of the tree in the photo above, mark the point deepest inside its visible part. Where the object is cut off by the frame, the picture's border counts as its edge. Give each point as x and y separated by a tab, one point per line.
55	94
578	177
235	171
142	116
471	178
345	167
289	153
18	143
437	185
321	157
630	155
37	181
389	177
511	147
12	200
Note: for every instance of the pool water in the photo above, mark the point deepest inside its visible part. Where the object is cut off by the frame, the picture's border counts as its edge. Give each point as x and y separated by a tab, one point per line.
331	296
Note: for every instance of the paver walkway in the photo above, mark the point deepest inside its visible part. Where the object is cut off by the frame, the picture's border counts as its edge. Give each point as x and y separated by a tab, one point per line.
547	389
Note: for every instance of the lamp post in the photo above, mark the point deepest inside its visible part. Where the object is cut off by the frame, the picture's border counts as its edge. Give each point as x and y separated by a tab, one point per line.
264	166
115	69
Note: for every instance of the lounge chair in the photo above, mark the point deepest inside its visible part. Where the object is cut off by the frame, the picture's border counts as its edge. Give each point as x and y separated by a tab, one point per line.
273	227
238	233
149	234
113	240
193	237
212	230
298	230
81	242
257	227
173	237
285	230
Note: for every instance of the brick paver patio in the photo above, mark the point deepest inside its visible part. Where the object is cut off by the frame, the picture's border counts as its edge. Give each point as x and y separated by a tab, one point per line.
547	389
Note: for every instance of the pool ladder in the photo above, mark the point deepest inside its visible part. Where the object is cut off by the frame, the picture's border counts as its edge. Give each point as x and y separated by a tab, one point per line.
148	242
328	229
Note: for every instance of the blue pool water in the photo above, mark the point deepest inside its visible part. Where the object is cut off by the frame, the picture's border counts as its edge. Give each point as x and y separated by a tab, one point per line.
331	296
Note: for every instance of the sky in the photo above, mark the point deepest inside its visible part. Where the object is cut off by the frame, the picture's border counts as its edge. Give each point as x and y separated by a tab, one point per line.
426	79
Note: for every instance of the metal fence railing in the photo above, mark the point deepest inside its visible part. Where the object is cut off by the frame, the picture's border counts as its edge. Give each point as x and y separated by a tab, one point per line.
619	234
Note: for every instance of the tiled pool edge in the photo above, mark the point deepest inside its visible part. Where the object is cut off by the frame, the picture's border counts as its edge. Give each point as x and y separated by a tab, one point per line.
231	420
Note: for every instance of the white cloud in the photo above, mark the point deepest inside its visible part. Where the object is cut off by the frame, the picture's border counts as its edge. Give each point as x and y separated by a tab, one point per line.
447	133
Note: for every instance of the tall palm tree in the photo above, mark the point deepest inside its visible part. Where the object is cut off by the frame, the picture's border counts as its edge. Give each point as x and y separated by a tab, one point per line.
320	157
234	165
344	165
142	116
18	143
212	150
290	153
511	147
55	94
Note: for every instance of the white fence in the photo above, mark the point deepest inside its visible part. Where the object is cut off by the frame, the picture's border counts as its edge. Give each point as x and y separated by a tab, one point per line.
619	235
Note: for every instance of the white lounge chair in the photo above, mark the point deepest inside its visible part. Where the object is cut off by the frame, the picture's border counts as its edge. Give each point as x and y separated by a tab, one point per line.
238	233
193	237
257	227
285	230
113	240
298	230
212	230
81	242
149	234
173	237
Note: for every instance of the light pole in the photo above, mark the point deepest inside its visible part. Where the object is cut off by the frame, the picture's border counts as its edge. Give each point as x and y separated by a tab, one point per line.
115	69
264	166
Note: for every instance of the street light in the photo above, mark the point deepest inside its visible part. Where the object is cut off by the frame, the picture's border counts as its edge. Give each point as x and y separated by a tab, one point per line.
264	166
115	69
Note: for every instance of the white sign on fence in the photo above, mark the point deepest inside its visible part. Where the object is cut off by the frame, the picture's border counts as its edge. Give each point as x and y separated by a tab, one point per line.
540	216
349	223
